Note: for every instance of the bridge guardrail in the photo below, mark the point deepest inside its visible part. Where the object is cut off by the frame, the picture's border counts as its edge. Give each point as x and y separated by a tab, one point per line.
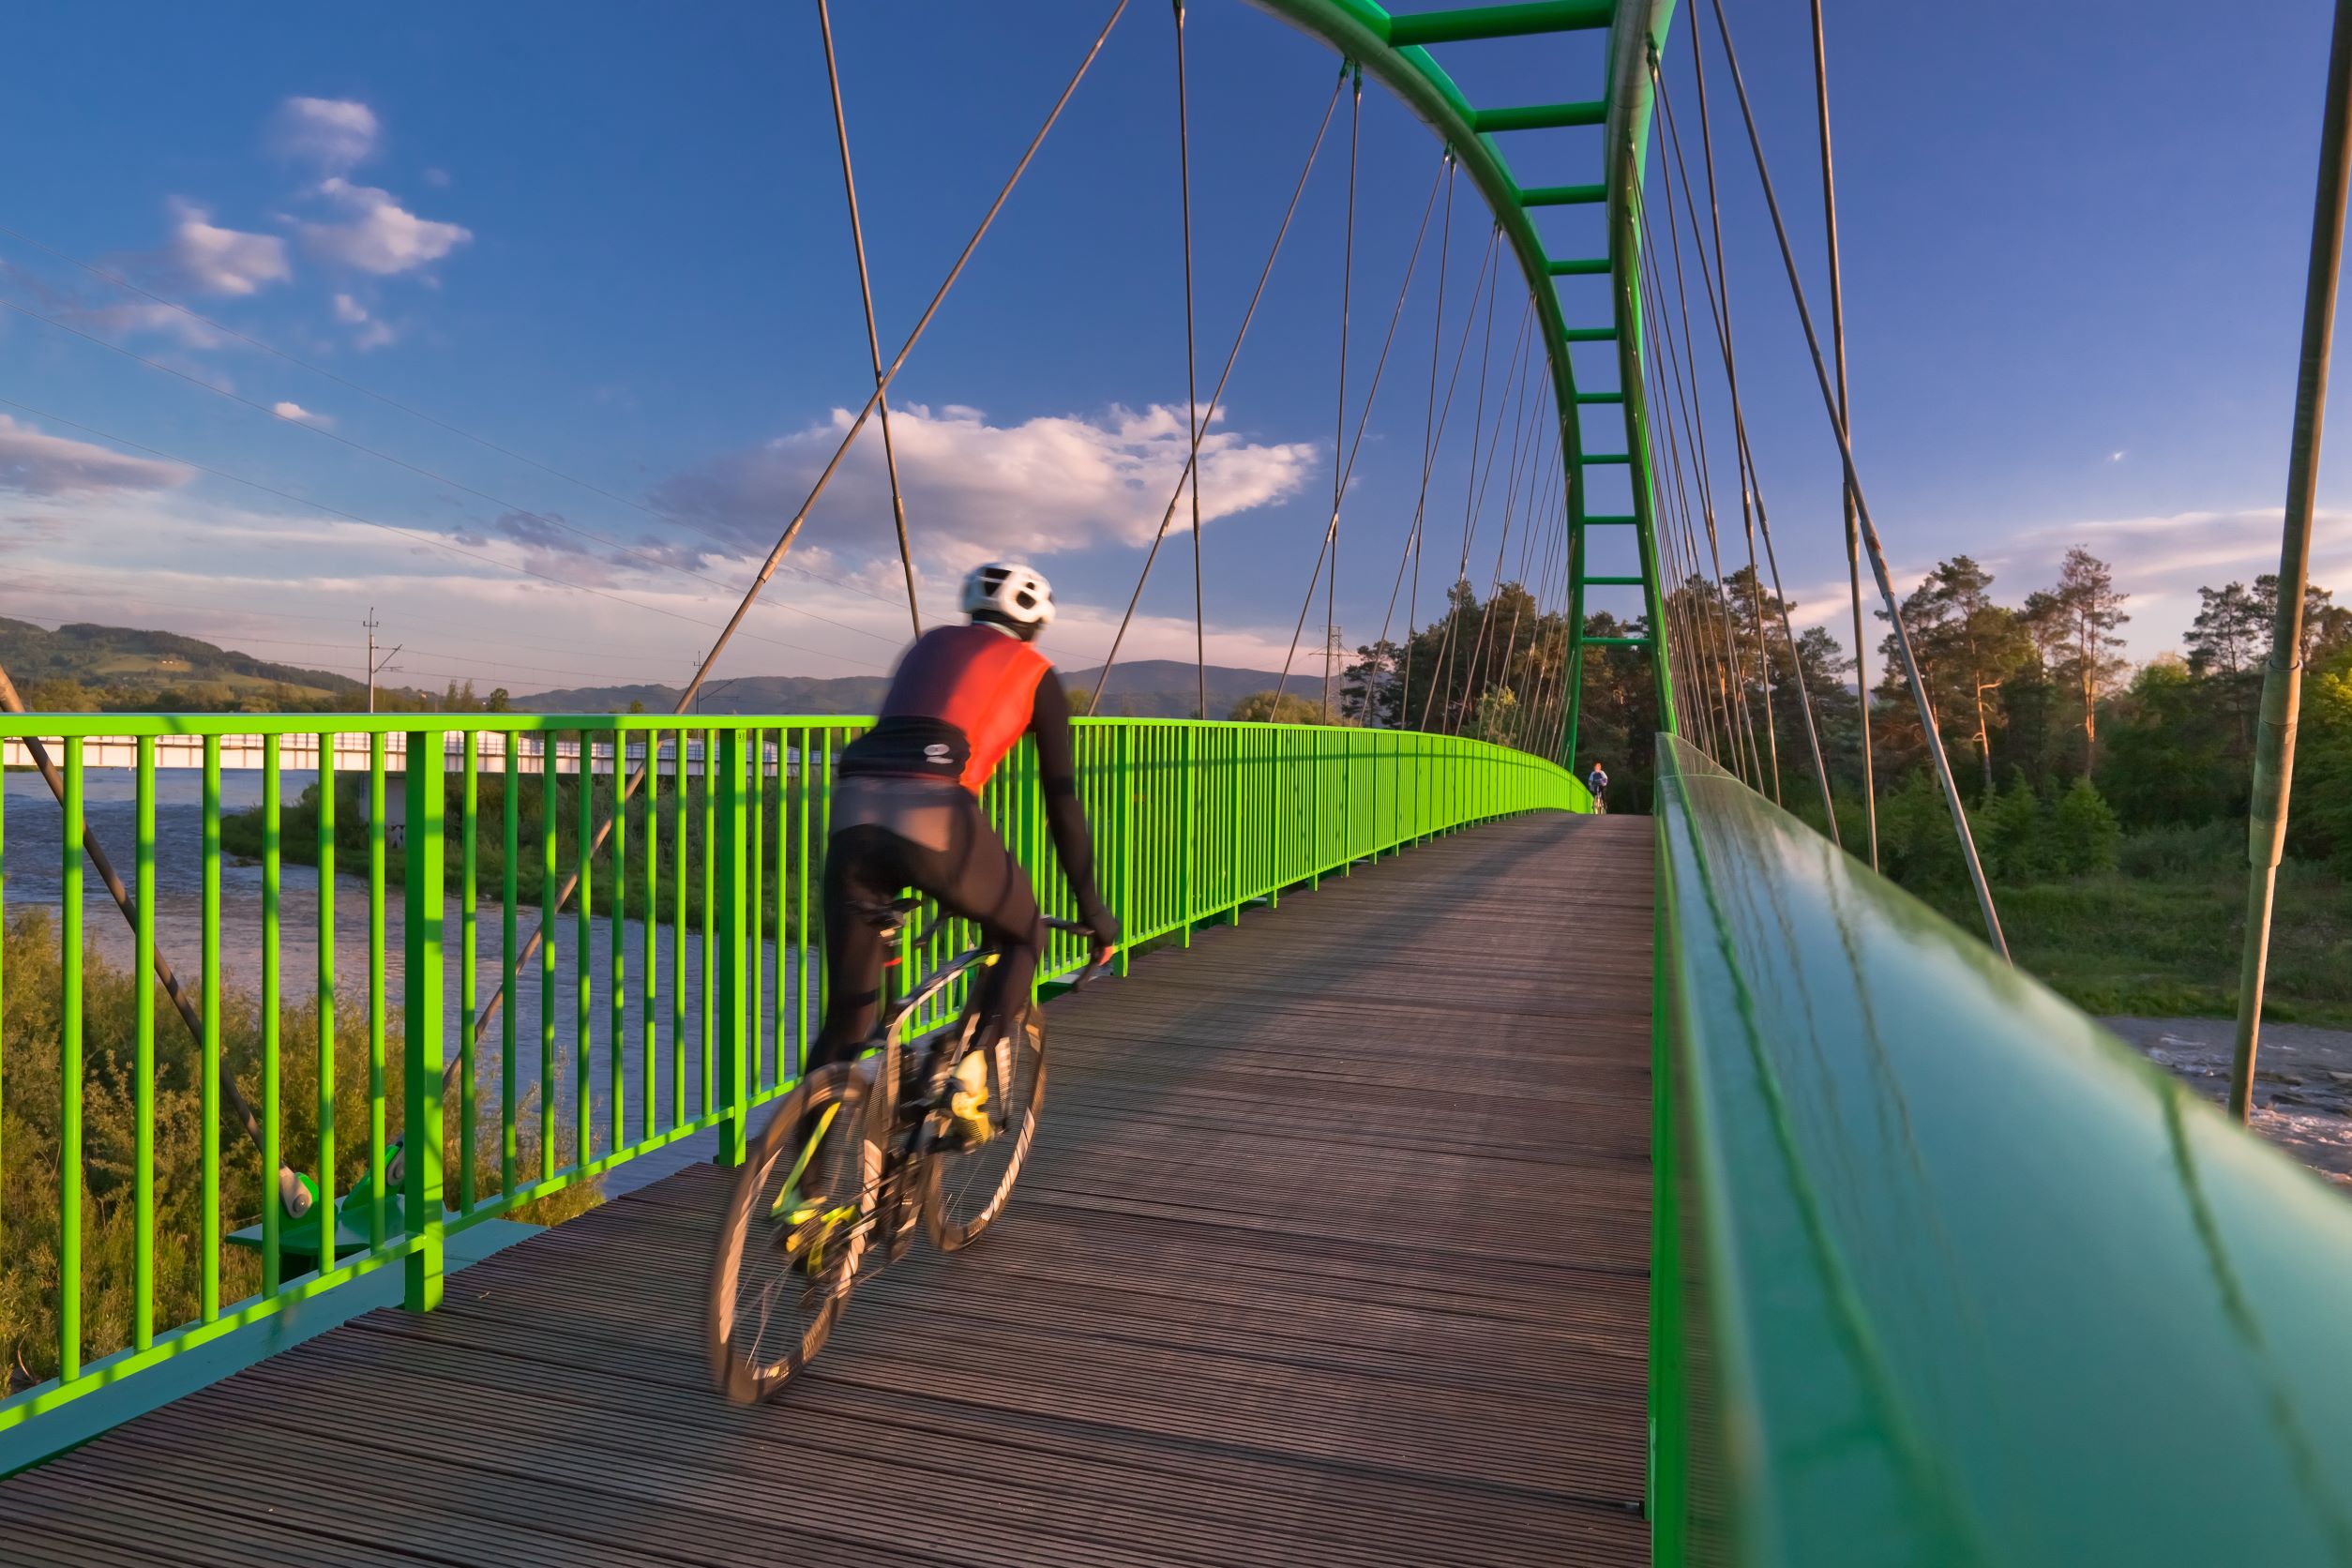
1943	1272
1192	820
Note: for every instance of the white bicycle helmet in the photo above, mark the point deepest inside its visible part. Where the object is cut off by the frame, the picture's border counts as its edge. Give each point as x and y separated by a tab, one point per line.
1009	592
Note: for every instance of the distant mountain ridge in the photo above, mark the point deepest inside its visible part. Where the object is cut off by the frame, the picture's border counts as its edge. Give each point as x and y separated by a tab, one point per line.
1147	688
122	662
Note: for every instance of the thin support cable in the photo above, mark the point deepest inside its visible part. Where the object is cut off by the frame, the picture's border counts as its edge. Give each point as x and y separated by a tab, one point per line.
1697	415
1691	689
1740	723
1722	299
1428	450
1380	367
1937	756
1339	422
1474	486
792	528
1522	435
866	294
1194	419
1837	352
2283	674
1240	336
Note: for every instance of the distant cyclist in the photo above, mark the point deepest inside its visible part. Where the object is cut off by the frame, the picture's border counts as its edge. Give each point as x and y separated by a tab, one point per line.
1598	783
906	810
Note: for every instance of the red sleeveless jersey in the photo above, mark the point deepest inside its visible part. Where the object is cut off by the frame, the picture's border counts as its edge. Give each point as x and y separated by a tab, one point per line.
976	679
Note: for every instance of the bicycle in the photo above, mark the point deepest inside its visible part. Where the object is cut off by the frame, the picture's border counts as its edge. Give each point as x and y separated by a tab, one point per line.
858	1154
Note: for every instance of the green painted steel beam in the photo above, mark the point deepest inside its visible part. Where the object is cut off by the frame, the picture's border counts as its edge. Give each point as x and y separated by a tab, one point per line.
1589	335
1359	30
1615	642
1499	21
1611	522
1960	1272
1600	396
1592	457
1580	266
1539	116
1616	582
1563	195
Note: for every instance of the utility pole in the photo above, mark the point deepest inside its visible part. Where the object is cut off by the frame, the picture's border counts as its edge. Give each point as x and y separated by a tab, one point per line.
1330	663
373	668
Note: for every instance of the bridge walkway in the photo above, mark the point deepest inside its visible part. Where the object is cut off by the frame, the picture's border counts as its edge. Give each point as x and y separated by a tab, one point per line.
1334	1251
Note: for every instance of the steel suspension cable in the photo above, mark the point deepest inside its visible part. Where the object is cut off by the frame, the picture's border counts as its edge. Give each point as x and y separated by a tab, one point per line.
792	530
1938	759
2282	671
1520	435
1217	395
1754	481
1719	293
1693	406
1540	469
1474	489
1340	421
1846	495
1691	687
1379	365
513	507
866	294
1696	415
1194	419
1721	303
1433	439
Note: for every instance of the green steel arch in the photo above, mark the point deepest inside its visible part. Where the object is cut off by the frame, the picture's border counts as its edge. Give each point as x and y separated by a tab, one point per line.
1395	49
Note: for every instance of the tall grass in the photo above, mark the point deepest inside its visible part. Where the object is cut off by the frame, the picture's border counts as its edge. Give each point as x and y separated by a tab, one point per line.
31	1096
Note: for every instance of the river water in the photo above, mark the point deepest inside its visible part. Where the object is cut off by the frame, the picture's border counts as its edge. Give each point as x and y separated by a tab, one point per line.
33	879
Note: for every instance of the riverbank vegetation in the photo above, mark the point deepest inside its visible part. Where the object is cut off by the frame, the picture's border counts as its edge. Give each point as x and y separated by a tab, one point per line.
31	1129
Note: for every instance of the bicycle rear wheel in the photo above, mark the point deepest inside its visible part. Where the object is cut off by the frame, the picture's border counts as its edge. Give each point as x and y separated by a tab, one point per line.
964	1189
794	1233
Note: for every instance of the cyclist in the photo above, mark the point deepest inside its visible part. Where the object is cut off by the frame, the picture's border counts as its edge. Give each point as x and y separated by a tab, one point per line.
905	813
1598	783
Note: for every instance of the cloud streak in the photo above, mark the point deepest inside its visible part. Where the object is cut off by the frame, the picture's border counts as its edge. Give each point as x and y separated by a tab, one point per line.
35	463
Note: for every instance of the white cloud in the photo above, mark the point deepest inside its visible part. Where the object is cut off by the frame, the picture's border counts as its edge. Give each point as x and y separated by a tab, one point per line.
437	179
380	236
333	133
148	316
372	334
38	464
301	415
217	260
973	489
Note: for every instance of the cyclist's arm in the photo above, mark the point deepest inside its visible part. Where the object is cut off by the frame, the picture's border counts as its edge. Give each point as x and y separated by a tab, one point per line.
1066	817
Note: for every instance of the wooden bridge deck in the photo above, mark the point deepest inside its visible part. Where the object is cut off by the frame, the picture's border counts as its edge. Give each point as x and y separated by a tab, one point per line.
1334	1251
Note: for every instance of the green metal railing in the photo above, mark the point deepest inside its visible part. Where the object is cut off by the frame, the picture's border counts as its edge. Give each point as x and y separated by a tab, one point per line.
1942	1272
719	846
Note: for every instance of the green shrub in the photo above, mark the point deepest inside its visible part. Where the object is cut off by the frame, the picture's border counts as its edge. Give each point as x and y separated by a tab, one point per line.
2085	835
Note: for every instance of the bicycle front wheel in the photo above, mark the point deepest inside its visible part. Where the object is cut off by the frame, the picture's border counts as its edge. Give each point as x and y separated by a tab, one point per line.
794	1233
965	1188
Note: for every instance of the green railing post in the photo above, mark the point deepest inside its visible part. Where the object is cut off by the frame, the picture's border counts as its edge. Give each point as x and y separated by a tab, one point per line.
69	1073
421	1024
1123	806
142	1116
1193	835
734	967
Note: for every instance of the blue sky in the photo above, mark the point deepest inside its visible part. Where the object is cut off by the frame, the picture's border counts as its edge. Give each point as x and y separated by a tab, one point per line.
612	242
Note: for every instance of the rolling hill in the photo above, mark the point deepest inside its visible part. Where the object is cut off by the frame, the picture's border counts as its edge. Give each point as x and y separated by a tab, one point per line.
1148	688
82	664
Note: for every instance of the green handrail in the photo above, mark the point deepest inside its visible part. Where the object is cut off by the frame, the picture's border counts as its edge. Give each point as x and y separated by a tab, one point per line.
1192	820
1942	1273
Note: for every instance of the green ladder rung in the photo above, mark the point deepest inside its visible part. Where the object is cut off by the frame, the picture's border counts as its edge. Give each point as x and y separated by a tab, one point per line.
1613	523
1499	21
1563	195
1607	456
1539	116
1600	396
1587	266
1589	335
1613	582
1616	641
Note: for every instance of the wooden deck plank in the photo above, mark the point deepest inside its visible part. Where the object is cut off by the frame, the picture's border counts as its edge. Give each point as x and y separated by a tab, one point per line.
1334	1251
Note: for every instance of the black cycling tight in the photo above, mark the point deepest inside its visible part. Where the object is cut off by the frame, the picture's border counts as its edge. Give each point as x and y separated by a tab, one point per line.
892	833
